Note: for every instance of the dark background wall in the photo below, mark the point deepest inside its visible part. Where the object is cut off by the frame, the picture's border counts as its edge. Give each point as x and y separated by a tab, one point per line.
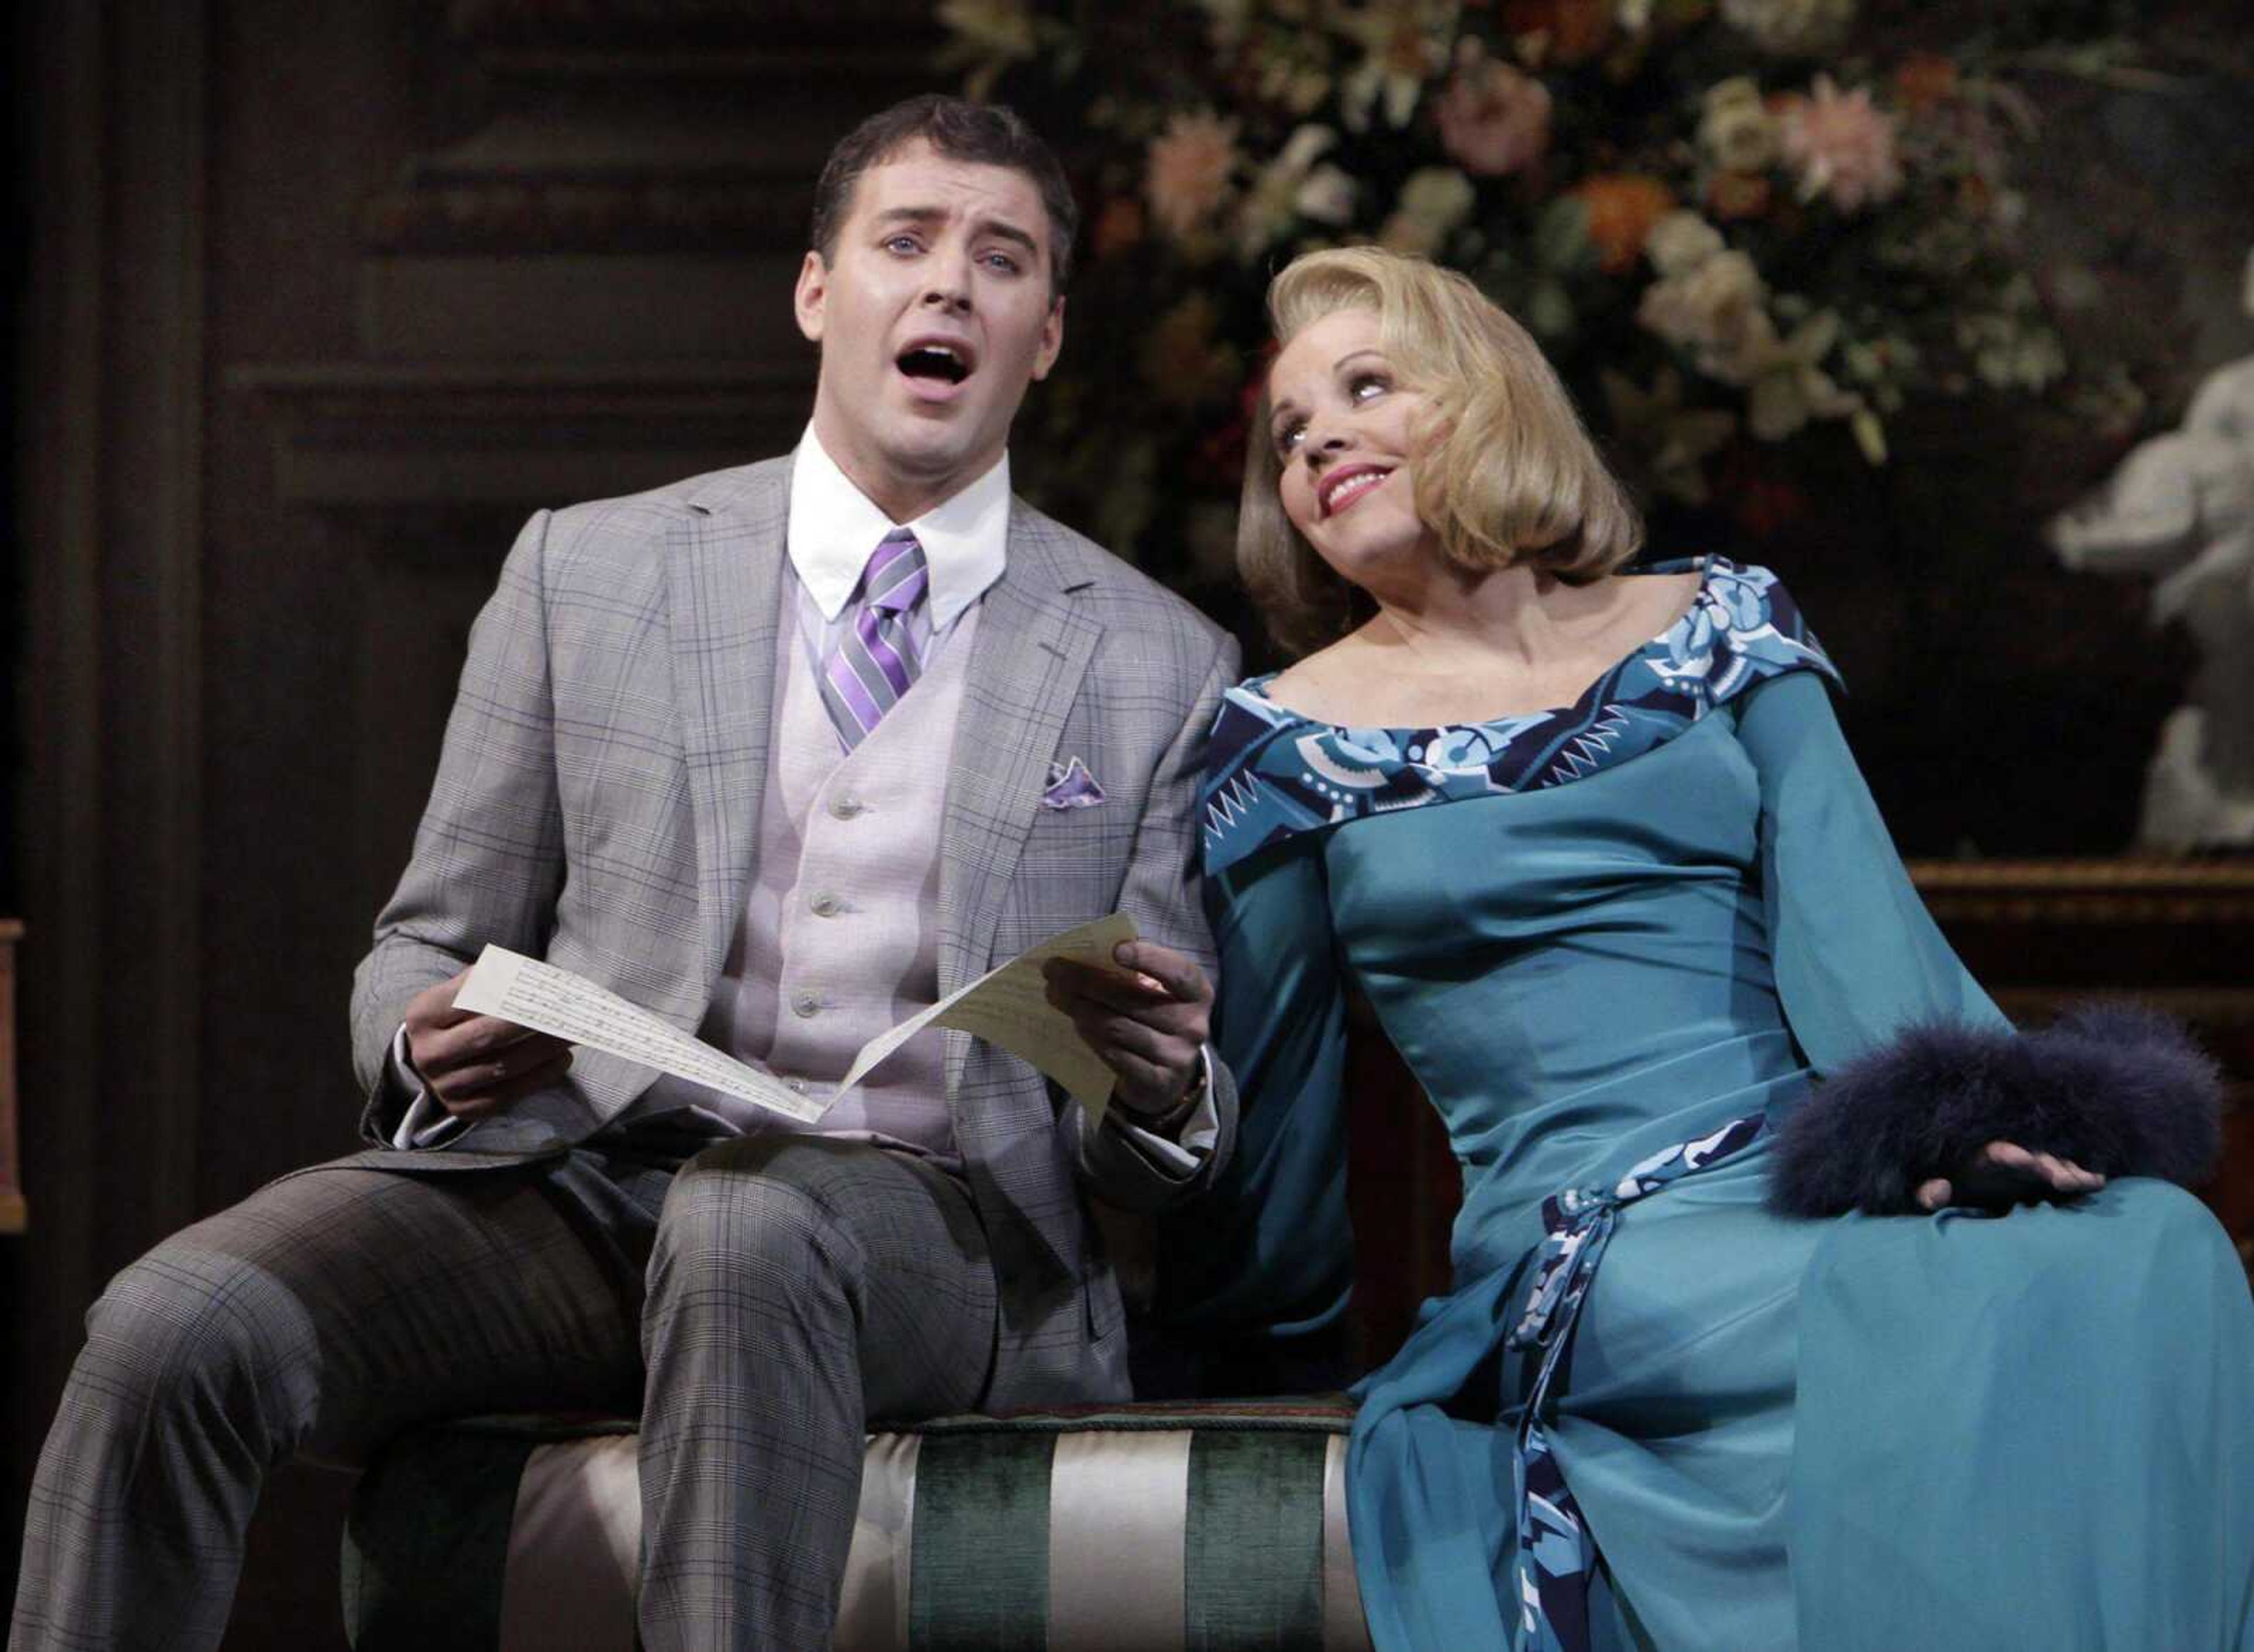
318	298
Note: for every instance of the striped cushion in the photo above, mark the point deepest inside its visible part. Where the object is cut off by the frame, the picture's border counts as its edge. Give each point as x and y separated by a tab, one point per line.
1197	1528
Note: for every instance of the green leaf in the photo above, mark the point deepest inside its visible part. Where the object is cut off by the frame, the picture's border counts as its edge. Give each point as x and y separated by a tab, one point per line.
1870	435
1550	312
1561	237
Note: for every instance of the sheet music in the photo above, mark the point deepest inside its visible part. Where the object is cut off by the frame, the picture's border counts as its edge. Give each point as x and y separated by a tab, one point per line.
572	1007
1006	1006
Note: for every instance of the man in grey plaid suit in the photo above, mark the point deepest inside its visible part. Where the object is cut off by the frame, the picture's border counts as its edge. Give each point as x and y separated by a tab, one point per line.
685	761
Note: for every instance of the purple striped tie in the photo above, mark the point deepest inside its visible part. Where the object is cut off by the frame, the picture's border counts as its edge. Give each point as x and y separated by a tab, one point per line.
875	660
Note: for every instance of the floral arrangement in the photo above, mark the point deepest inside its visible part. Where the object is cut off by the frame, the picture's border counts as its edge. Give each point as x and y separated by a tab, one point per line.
1738	226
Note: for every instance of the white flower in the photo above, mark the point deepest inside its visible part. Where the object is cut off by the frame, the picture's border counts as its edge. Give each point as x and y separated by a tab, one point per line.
1433	201
1714	310
1787	386
989	35
1791	28
1405	43
1736	127
1680	243
1294	185
1328	196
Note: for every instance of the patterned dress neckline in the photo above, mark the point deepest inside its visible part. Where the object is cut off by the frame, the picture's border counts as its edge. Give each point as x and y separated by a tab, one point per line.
1272	773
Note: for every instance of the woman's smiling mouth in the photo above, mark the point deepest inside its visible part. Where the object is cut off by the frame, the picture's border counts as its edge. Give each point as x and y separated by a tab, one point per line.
1350	485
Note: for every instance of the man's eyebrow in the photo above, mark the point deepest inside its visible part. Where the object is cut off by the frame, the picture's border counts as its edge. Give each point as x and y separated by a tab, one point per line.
908	214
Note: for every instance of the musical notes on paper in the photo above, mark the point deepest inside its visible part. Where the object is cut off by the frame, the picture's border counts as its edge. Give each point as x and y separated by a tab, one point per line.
572	1007
1007	1006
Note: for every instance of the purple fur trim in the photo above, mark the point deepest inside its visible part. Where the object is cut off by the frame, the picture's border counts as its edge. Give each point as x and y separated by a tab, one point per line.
2116	1087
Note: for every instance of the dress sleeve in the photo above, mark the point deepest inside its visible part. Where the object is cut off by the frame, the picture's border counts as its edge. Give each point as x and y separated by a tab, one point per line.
1858	958
1266	1254
1920	1069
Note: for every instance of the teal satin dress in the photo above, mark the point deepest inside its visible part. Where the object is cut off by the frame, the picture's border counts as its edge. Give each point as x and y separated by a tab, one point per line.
1596	935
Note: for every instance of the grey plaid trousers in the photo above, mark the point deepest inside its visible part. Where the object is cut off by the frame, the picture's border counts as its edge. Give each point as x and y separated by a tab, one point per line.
795	1288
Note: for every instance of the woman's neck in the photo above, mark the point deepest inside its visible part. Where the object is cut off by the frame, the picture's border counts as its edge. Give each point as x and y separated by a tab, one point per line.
1465	646
1518	617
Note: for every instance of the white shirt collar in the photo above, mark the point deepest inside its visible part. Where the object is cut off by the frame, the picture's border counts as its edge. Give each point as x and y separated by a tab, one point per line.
834	526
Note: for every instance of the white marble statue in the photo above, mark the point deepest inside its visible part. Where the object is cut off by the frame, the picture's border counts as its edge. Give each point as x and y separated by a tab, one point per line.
2181	507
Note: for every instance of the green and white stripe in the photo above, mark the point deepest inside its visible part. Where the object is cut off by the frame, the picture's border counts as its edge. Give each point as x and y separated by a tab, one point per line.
1134	1529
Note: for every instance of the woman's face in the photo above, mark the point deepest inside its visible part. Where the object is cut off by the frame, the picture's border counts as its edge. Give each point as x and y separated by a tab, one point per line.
1345	432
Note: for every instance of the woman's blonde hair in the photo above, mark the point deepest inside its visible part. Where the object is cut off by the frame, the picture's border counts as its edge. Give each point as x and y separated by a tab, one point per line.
1507	473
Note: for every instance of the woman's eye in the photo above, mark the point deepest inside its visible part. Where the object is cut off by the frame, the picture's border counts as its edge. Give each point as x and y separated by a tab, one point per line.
1288	437
1368	388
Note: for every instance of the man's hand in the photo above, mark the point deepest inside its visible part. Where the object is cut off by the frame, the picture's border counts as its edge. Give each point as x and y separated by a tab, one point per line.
2004	1173
477	1065
1148	1025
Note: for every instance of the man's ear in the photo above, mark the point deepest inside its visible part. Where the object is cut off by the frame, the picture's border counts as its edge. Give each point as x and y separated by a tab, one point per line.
1052	340
807	299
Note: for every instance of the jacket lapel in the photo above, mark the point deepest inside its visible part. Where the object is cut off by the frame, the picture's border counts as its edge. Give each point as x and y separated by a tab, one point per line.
723	594
1028	658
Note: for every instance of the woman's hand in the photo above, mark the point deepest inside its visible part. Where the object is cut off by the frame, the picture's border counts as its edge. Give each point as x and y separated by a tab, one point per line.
2004	1173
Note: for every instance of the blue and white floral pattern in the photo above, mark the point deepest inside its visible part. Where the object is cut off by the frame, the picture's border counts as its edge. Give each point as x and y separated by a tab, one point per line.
1271	773
1556	1556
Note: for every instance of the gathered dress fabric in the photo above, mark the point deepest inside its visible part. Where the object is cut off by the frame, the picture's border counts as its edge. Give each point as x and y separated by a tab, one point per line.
1617	943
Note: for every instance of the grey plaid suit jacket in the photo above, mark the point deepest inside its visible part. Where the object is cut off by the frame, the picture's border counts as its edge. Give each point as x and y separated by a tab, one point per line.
597	803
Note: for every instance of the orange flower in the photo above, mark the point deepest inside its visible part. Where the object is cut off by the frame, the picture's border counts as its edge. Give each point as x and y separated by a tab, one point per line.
1731	196
1623	209
1187	170
1923	80
1573	31
1118	226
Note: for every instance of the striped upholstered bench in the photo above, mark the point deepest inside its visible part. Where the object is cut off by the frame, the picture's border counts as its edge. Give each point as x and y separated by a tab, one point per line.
1196	1528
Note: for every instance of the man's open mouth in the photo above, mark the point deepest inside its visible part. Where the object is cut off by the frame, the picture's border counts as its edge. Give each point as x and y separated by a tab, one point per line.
941	361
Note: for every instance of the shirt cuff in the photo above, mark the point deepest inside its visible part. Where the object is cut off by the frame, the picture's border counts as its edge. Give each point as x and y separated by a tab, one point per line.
1179	1145
425	1124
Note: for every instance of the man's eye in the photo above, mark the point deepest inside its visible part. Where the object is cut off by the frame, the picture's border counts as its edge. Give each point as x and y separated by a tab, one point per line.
1004	262
900	243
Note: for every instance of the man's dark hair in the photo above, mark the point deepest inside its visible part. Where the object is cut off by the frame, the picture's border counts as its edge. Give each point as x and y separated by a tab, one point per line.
981	134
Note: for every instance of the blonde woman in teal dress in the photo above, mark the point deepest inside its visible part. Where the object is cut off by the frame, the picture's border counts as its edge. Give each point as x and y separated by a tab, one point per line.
1797	1301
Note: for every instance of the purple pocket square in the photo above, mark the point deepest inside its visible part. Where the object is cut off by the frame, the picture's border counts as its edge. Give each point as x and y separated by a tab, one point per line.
1071	786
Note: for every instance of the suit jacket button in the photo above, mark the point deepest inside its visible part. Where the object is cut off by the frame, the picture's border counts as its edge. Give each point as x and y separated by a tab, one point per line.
845	807
806	1005
826	905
